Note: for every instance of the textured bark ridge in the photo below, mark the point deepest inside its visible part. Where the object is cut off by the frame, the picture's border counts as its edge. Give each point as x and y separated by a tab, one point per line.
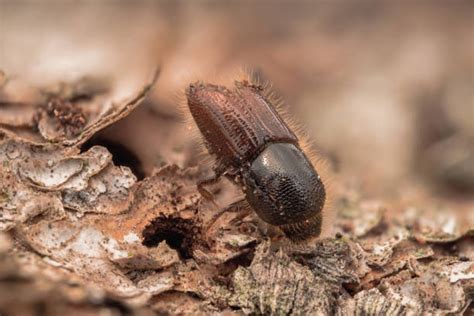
81	234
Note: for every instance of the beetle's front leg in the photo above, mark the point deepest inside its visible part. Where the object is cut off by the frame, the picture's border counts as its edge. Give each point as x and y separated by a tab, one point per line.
237	206
202	184
219	171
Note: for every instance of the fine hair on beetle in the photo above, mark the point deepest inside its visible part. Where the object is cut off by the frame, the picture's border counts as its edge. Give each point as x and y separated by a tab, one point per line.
258	146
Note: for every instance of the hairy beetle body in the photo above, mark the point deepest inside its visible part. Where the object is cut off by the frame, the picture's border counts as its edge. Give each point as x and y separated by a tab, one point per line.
256	149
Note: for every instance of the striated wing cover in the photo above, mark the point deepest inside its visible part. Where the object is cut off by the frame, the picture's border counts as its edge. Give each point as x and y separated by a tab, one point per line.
236	124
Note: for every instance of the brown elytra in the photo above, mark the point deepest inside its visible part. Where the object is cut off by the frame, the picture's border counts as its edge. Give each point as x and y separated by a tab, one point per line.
257	150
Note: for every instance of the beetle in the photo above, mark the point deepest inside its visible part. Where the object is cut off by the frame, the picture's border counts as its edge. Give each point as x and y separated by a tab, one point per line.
257	150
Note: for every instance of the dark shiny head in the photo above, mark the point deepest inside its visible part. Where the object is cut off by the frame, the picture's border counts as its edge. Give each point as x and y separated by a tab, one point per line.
285	190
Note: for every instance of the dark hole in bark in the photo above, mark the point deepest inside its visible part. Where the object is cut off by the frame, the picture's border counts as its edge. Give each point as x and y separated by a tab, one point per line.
117	306
121	155
178	233
227	269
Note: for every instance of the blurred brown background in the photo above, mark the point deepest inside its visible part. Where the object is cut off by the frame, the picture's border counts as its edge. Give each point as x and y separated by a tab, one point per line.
385	90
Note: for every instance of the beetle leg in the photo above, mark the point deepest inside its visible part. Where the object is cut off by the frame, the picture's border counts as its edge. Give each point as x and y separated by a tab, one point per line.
236	206
244	210
206	182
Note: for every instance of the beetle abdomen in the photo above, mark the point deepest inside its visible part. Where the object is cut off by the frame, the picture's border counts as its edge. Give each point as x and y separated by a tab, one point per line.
284	188
236	124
